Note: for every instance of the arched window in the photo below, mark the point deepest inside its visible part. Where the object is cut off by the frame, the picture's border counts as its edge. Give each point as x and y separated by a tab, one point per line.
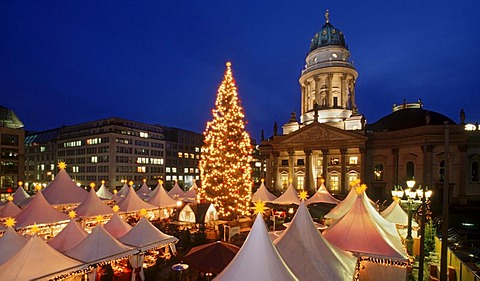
334	182
474	172
378	172
441	171
410	170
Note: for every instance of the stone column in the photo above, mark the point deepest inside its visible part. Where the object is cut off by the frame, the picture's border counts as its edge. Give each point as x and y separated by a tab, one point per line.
304	99
343	176
329	93
308	170
343	92
395	166
464	169
317	90
272	177
291	159
363	163
325	167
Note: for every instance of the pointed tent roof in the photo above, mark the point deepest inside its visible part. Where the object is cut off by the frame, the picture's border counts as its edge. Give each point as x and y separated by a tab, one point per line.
322	196
144	190
37	260
132	203
394	213
160	198
309	255
191	194
345	205
10	243
104	193
117	226
358	232
258	259
92	206
263	194
176	191
146	236
124	190
19	195
9	210
39	211
290	196
62	190
69	237
99	246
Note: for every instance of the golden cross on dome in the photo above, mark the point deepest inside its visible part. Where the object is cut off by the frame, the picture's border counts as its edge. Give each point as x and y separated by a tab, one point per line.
303	195
259	207
62	165
327	16
72	214
10	222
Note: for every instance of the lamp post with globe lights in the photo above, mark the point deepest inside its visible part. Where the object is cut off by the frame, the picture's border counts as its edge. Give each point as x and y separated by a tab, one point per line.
424	195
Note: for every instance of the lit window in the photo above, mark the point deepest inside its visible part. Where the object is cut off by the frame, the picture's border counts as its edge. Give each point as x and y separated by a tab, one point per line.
284	181
185	170
196	170
258	164
192	156
185	155
94	159
378	172
174	177
141	169
197	149
168	178
197	178
174	170
180	178
143	135
334	186
300	182
352	177
334	161
191	170
42	149
319	162
353	160
180	155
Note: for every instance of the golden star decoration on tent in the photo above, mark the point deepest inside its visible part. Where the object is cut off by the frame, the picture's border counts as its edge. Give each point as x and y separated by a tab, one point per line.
144	180
34	228
103	181
115	208
115	191
10	222
20	183
92	185
259	207
72	214
130	183
160	181
262	180
38	187
99	218
143	212
303	195
361	188
62	165
10	198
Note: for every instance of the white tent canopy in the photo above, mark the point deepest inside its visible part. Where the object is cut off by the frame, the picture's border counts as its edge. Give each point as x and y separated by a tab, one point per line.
394	213
160	198
104	193
93	206
132	203
124	190
99	246
263	194
145	236
176	192
10	243
20	195
39	211
144	191
117	226
63	191
191	194
258	259
322	196
198	213
69	237
342	208
290	196
309	255
37	260
9	210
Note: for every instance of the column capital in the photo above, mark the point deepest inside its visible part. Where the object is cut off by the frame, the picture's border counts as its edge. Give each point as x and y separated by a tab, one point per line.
291	152
324	151
307	152
343	151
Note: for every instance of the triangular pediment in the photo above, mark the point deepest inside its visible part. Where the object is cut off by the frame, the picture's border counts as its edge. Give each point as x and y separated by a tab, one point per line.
318	132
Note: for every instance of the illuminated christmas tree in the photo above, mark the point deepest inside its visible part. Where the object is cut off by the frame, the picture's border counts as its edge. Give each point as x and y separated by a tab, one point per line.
225	169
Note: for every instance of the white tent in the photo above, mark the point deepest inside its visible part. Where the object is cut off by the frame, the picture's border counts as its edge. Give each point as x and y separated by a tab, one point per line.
395	214
258	259
309	255
93	206
99	246
342	208
359	232
9	210
198	213
176	192
104	193
63	191
37	261
322	196
191	194
145	236
123	191
132	203
290	196
117	226
160	198
20	195
69	237
39	211
263	194
144	191
10	243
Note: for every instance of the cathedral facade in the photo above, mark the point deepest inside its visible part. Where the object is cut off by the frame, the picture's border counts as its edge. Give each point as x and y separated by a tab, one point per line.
330	141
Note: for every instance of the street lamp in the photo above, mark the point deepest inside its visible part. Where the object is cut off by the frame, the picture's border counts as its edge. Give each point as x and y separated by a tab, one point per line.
424	195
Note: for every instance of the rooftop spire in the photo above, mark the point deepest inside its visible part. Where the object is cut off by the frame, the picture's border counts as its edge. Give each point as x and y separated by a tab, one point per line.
327	16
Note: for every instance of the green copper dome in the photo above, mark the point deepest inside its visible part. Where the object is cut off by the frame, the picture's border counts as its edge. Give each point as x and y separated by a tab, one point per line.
328	36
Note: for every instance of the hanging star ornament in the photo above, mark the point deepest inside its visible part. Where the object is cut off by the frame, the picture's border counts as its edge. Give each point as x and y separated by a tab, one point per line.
72	214
62	165
10	222
259	207
303	195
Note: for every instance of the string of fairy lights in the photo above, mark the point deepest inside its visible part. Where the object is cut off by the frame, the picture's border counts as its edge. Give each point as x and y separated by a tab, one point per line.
225	169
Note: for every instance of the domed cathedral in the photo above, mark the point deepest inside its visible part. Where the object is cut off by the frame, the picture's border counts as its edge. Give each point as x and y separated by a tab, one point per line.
332	143
328	144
